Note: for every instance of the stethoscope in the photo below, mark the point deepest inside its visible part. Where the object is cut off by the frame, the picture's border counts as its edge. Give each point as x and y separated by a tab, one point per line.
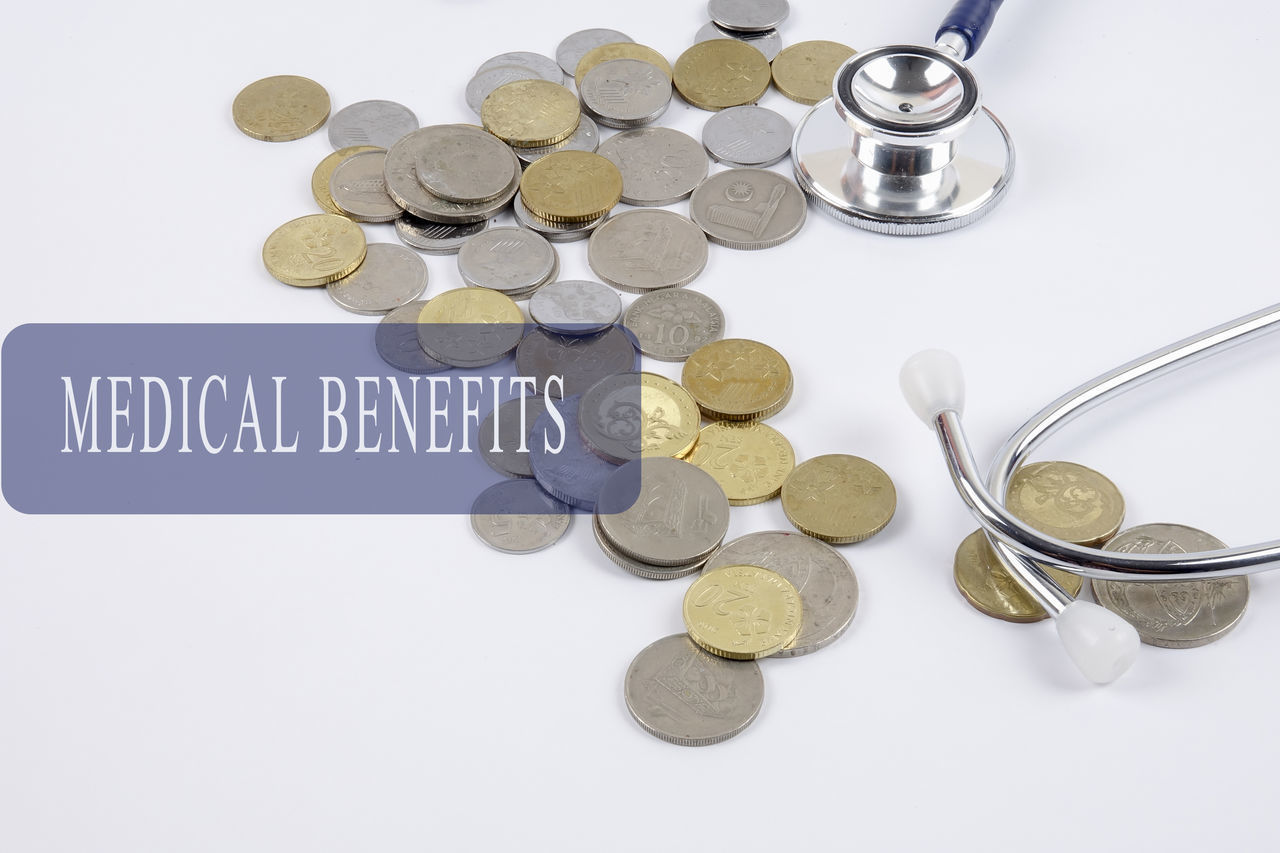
1102	644
904	145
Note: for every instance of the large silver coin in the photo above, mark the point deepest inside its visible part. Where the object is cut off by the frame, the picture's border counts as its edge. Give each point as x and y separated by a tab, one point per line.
680	515
825	580
683	695
396	340
643	250
670	325
611	418
544	66
575	307
625	93
579	360
403	185
659	165
518	517
507	259
512	434
748	208
465	164
389	277
483	84
561	462
750	16
378	123
556	232
436	238
747	136
768	42
576	45
640	569
359	188
1173	614
585	138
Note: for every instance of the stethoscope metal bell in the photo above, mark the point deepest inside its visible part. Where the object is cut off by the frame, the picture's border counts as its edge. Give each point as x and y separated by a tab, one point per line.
904	145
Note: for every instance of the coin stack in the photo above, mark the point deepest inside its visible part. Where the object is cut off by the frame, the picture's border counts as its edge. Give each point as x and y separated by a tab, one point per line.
754	23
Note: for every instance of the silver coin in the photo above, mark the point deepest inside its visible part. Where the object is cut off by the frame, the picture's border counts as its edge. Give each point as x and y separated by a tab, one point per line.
544	66
1173	614
679	516
507	259
576	45
689	697
611	419
436	238
748	208
556	232
465	164
768	42
359	188
561	463
575	307
670	325
404	187
747	136
750	16
396	340
659	165
625	93
640	569
585	138
513	431
518	517
579	360
389	277
823	577
527	292
643	250
484	82
378	123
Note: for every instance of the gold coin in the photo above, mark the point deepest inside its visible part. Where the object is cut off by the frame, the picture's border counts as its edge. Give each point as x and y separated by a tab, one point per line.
278	109
618	50
803	72
570	187
324	171
986	584
720	73
742	612
749	460
736	379
839	498
1066	501
471	305
314	250
669	418
530	113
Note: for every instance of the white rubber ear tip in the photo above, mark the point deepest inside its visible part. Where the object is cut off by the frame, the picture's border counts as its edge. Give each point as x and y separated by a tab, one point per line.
932	382
1100	643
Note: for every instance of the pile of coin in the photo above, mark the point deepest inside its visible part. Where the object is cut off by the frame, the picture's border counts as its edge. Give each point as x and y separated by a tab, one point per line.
755	23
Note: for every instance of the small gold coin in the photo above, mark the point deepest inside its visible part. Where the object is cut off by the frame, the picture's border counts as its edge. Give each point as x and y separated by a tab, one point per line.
839	498
278	109
570	187
742	612
736	379
324	171
471	305
531	113
314	250
669	418
1066	501
618	50
803	72
749	460
720	73
986	584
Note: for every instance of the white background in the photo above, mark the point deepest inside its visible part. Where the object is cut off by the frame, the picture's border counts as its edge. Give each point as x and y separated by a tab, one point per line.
387	683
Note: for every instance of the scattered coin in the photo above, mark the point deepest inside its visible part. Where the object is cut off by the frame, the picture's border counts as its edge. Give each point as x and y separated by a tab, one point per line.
839	498
804	72
544	66
279	109
436	238
642	250
749	460
676	517
748	208
827	585
513	422
742	612
465	164
670	325
659	166
396	340
377	123
575	307
639	568
625	93
508	259
1173	614
561	463
556	232
630	415
324	171
518	517
470	327
1066	501
750	16
389	277
571	187
404	187
683	695
585	138
618	50
481	85
575	46
314	250
736	379
986	584
768	42
359	188
747	136
579	360
712	75
530	113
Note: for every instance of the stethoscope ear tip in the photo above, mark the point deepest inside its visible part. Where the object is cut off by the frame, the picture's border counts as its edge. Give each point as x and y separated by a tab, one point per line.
932	382
1101	644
